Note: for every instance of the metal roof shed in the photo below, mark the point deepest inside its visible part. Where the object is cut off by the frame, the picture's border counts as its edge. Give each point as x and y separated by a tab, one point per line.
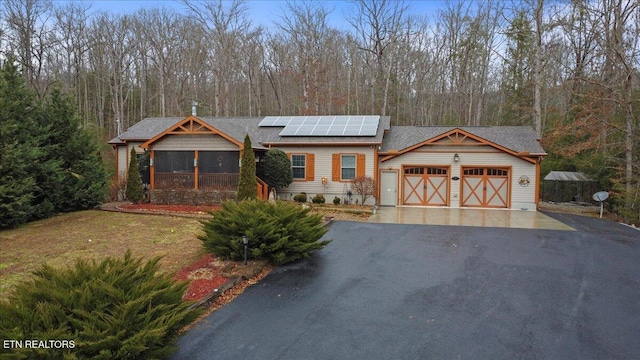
568	186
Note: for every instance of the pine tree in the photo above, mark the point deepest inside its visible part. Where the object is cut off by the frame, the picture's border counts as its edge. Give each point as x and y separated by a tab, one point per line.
18	147
134	182
248	185
83	177
49	164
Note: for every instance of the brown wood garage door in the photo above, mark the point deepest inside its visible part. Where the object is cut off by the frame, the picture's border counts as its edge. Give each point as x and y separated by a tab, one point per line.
425	185
485	187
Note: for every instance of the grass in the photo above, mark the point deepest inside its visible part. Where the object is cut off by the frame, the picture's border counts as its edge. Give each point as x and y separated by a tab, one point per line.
93	234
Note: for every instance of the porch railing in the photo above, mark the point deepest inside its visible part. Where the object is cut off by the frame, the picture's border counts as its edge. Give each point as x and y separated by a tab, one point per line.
205	182
174	180
218	181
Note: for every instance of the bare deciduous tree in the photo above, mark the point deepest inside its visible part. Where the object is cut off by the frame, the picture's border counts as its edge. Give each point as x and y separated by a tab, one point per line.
363	186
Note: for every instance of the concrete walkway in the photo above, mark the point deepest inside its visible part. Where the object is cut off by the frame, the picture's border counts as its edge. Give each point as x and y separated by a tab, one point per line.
467	217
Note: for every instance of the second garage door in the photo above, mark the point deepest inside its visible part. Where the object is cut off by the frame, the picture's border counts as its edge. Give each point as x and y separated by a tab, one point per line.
485	187
425	185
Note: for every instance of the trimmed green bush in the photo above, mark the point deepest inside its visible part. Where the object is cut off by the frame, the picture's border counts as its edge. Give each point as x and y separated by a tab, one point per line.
275	169
280	232
301	198
318	199
336	201
116	309
134	191
248	185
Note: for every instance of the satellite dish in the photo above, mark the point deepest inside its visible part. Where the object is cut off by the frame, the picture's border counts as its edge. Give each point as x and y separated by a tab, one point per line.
601	196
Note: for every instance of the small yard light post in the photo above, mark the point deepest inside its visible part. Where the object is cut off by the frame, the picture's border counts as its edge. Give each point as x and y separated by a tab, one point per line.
245	242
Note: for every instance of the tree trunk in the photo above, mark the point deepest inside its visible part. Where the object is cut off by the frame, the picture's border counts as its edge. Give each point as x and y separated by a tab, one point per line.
537	102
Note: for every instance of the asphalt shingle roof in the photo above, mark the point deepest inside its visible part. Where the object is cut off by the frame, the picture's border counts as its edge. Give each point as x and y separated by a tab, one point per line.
515	138
237	128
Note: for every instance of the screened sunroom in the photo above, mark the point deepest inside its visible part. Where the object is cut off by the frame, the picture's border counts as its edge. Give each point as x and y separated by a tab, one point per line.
195	169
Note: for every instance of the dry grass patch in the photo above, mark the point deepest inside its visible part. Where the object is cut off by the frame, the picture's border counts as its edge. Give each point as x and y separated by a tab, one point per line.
94	234
342	212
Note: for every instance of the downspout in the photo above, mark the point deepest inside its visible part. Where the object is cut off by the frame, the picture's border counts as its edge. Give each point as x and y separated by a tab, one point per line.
376	177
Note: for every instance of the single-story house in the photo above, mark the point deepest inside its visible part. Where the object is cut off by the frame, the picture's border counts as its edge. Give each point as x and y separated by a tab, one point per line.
487	167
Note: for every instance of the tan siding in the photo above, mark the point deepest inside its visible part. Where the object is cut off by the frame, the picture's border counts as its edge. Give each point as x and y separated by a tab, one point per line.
123	156
122	160
194	142
323	169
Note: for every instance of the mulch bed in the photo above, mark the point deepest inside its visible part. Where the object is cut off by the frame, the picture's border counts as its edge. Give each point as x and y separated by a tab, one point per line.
205	275
202	209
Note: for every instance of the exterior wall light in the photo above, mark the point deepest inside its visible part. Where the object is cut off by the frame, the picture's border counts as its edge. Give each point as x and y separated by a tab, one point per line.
324	180
456	158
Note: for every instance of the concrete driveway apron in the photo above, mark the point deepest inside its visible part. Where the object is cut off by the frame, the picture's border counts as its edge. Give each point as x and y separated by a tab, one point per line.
467	217
389	291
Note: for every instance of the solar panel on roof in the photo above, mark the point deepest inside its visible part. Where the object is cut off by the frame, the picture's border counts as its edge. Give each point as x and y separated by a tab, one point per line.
341	125
352	130
369	129
370	121
340	120
295	121
289	131
274	121
321	130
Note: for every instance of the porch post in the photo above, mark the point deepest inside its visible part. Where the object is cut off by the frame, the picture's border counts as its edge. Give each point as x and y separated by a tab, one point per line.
195	170
152	170
538	182
376	176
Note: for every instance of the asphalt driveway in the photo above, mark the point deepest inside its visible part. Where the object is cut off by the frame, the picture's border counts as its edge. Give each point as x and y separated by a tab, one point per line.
381	291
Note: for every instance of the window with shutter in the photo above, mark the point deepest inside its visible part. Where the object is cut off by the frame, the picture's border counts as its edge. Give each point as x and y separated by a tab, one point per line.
298	165
347	167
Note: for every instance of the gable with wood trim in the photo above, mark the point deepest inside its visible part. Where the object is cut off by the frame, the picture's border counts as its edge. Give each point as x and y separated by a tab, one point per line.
462	169
192	155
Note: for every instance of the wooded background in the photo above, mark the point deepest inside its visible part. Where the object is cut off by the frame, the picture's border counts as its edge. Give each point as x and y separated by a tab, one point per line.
570	69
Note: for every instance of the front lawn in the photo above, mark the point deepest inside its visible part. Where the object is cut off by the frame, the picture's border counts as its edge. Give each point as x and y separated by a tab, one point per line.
94	234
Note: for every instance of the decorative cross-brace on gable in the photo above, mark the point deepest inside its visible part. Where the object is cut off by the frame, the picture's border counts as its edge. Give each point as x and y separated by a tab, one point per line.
458	136
189	126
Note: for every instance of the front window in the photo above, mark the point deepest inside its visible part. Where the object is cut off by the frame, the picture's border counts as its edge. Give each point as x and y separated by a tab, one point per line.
298	162
348	167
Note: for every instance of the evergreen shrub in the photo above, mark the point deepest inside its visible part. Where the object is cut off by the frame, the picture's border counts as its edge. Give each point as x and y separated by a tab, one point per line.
115	309
336	201
275	169
318	199
248	185
301	198
134	192
280	232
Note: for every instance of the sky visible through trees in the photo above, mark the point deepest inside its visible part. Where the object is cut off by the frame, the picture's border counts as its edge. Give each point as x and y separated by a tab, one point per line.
569	69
